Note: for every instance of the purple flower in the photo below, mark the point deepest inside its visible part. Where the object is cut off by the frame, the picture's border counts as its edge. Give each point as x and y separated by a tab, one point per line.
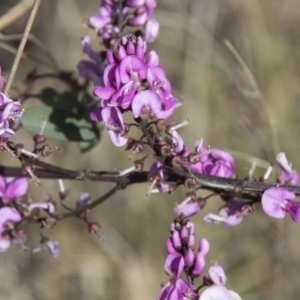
83	200
112	118
277	201
169	246
217	275
219	293
176	289
5	242
188	207
48	206
215	162
199	264
10	112
91	70
157	173
11	188
203	246
287	174
51	246
174	264
8	215
220	163
146	104
132	68
137	13
151	30
231	214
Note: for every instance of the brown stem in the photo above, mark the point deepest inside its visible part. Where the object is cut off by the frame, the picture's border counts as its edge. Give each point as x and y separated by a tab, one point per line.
215	184
21	46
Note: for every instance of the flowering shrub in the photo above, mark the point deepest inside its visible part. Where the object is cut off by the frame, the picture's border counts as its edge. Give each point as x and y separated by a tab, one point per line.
131	84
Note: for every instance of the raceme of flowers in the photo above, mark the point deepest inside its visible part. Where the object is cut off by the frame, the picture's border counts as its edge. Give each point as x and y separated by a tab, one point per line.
182	261
133	81
112	18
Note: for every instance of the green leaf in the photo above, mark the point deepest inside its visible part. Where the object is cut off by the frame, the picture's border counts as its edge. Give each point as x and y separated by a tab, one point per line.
65	101
62	124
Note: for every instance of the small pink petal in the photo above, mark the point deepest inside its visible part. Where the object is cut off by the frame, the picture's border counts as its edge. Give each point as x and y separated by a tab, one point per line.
217	274
215	293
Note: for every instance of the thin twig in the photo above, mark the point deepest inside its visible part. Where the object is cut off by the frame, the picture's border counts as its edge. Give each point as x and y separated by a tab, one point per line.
14	13
95	203
21	46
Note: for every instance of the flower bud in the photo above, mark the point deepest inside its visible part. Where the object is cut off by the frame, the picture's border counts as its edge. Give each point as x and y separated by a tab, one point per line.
199	264
191	227
191	241
176	240
189	257
94	227
184	234
39	139
203	246
169	246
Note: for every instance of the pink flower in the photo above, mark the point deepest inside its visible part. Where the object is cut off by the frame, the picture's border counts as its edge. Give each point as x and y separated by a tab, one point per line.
287	174
151	30
8	215
277	201
11	188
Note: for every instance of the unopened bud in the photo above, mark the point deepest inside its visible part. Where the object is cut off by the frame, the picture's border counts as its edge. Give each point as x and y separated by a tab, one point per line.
161	125
18	149
138	147
45	150
94	228
176	240
189	257
39	139
199	264
169	246
166	150
190	183
49	222
177	162
184	234
191	241
130	143
139	165
247	210
21	235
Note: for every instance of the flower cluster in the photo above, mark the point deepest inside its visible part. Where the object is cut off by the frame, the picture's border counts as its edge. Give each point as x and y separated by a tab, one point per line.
112	17
10	113
133	81
182	259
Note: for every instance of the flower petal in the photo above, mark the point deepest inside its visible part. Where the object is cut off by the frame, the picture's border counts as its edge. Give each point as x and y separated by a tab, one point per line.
16	188
215	293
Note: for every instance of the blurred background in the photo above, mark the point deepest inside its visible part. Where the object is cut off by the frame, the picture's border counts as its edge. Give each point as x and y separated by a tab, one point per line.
261	256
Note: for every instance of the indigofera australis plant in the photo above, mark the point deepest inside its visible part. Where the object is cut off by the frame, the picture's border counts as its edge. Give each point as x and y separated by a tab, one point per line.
129	79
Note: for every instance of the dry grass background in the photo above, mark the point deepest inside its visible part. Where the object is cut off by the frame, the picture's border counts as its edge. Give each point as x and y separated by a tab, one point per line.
261	256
